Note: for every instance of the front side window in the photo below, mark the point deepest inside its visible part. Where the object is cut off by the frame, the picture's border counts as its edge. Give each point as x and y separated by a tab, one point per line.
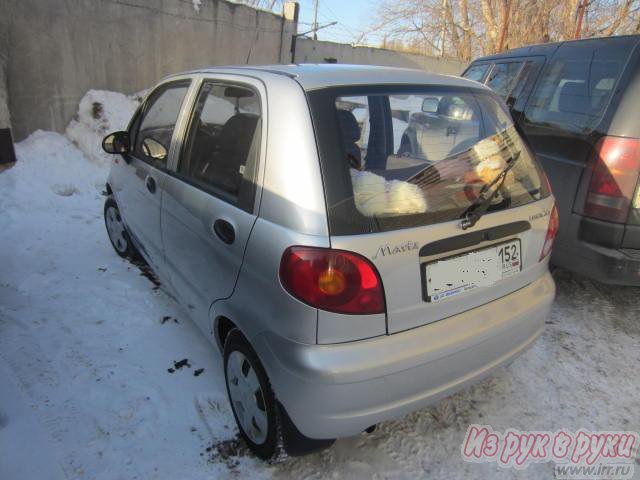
573	92
222	142
476	72
503	77
159	116
417	157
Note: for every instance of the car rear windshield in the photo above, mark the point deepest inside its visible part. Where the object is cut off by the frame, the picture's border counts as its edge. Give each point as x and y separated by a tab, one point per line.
400	157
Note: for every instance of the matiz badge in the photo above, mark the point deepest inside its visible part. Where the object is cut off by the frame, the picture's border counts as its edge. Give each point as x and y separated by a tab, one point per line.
387	250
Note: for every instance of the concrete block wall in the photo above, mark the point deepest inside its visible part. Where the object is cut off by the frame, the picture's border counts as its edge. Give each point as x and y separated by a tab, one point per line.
7	154
310	51
4	57
53	51
60	49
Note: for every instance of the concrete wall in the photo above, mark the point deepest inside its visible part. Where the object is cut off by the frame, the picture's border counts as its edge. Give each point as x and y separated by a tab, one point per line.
310	51
56	50
7	153
59	49
4	56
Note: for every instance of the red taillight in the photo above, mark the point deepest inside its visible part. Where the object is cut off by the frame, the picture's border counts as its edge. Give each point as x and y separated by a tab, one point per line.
334	280
615	168
552	231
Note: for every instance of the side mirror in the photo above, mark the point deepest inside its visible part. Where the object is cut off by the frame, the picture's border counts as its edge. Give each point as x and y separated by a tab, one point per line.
430	105
154	149
116	142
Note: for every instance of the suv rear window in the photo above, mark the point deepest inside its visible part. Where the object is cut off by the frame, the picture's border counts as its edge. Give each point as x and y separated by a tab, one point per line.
574	89
399	157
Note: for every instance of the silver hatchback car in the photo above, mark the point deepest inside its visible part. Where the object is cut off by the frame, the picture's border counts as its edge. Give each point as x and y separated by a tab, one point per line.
348	270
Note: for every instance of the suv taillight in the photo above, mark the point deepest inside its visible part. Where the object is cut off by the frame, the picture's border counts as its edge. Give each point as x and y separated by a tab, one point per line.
552	231
615	167
333	280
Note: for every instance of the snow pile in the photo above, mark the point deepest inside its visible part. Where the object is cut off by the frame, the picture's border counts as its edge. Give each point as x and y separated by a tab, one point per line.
49	170
99	113
84	336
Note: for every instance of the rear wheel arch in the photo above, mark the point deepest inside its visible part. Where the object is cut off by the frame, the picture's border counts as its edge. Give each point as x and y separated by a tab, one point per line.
222	327
283	437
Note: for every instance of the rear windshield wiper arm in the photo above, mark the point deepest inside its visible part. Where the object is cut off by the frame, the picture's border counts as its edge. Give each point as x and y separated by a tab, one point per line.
479	207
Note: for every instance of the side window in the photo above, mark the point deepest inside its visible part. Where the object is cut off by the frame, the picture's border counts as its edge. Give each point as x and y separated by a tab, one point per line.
476	72
519	84
222	143
152	138
503	76
573	92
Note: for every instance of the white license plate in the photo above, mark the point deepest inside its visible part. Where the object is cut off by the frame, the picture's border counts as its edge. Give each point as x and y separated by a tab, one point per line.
481	268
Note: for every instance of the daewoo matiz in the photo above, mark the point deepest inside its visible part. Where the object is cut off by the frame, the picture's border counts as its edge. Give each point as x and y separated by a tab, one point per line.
346	276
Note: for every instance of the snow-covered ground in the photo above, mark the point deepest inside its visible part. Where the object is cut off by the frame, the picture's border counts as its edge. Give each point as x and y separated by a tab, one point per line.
86	342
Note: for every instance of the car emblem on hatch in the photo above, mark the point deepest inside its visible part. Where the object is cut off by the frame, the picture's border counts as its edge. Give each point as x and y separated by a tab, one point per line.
387	250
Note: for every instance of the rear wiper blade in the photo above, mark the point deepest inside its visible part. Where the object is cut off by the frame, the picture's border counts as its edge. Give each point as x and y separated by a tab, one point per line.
479	207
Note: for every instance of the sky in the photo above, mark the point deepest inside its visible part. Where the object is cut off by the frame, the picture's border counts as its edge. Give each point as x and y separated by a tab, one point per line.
353	17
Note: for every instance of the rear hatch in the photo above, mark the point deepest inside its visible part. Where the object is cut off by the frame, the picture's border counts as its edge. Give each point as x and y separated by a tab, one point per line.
399	177
586	91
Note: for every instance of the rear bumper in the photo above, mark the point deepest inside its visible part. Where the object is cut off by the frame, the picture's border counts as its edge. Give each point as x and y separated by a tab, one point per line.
582	250
338	390
607	265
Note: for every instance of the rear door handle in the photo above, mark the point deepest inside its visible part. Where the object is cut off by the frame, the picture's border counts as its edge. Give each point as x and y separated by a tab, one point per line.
151	184
225	231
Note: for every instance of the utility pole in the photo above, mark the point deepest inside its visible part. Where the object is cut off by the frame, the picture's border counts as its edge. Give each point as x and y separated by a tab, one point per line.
315	19
582	7
505	24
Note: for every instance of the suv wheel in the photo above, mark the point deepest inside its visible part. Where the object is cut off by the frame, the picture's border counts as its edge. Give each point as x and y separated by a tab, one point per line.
117	231
252	400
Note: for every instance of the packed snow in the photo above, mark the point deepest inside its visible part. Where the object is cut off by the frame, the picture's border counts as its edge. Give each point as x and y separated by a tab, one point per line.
87	341
99	113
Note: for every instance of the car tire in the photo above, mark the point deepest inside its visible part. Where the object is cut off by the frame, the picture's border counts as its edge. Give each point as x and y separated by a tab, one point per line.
252	400
117	232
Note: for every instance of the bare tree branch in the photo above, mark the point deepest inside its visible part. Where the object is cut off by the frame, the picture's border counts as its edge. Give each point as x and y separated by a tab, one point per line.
474	27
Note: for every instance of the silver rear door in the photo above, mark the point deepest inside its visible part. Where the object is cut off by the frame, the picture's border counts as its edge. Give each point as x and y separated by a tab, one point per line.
208	204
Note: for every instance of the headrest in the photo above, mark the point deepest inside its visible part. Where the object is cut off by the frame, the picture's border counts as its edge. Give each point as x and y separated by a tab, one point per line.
349	126
238	92
573	98
240	123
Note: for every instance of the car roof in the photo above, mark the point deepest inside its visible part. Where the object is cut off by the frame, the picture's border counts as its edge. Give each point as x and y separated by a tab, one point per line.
316	76
549	48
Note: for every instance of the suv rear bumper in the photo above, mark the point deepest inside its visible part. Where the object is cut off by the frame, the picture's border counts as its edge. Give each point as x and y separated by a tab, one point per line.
582	249
606	265
338	390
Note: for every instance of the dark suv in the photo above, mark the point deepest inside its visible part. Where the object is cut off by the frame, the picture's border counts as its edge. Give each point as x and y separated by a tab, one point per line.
578	104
